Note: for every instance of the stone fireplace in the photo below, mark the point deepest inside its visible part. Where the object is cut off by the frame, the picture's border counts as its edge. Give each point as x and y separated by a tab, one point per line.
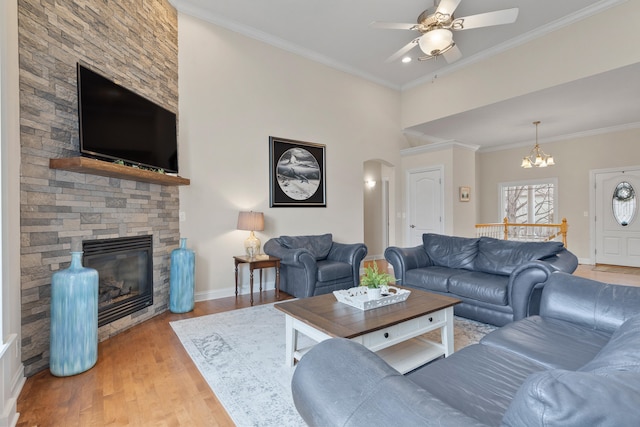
135	43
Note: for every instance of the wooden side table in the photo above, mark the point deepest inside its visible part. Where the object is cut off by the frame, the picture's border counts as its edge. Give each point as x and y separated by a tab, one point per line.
259	262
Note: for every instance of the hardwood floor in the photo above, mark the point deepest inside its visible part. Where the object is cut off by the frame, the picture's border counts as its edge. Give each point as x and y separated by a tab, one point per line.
144	376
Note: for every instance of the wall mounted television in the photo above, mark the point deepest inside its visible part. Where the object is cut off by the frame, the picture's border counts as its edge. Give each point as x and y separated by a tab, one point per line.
118	124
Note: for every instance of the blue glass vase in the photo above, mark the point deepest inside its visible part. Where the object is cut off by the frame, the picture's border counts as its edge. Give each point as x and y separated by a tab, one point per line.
74	319
183	267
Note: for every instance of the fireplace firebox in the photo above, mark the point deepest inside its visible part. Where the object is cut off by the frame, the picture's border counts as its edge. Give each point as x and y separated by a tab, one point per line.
125	272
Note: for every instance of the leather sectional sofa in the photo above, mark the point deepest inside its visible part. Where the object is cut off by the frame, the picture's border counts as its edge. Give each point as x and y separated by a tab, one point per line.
577	363
498	281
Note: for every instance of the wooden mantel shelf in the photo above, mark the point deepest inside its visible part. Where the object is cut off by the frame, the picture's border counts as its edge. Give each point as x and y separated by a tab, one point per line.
112	170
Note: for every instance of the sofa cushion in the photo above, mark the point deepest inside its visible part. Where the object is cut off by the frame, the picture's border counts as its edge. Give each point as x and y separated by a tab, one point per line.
450	251
503	256
621	353
480	286
433	278
333	270
319	246
478	381
567	398
553	343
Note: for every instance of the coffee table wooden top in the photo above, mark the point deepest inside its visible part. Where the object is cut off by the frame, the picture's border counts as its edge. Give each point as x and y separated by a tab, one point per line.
337	319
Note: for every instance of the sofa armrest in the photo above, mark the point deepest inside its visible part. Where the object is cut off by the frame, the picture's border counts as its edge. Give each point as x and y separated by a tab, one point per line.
564	261
297	258
524	289
286	255
341	383
351	253
403	259
597	305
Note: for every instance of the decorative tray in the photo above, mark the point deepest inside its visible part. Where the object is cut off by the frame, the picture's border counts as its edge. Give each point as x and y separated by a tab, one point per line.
357	297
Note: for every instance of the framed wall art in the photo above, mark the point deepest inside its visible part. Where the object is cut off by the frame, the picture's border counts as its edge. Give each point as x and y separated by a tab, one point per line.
297	173
465	194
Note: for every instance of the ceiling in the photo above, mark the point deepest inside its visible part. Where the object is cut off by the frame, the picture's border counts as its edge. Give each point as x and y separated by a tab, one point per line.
337	33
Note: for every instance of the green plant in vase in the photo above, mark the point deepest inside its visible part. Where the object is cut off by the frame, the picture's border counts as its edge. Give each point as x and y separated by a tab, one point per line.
375	280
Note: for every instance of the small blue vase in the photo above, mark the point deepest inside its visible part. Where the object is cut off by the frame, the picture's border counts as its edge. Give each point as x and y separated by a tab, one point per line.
74	319
181	289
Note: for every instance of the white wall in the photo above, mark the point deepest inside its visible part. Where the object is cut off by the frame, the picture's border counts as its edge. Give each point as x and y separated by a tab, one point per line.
234	93
574	158
568	54
372	210
11	369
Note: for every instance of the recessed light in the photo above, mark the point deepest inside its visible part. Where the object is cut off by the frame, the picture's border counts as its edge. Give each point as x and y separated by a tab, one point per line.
406	59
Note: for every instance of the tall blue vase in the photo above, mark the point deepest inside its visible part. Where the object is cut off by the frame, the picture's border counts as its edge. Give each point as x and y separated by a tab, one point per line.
74	319
183	267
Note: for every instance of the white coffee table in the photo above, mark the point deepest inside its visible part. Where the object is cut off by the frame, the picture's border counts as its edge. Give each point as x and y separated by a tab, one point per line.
395	332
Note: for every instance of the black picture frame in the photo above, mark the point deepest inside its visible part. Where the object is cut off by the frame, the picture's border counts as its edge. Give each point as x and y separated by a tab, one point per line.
297	173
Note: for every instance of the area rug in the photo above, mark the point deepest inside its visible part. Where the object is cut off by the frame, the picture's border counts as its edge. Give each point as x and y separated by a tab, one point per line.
241	354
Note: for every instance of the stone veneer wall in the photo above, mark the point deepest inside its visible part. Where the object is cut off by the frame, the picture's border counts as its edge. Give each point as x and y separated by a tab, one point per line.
135	43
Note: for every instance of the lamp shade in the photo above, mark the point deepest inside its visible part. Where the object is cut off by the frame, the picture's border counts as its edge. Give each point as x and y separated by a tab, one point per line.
436	41
251	221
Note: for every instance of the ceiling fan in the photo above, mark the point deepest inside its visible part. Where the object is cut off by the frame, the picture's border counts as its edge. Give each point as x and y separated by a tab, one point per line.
436	26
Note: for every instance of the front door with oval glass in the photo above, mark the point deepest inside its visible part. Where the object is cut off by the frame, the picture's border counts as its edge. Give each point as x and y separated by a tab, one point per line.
617	221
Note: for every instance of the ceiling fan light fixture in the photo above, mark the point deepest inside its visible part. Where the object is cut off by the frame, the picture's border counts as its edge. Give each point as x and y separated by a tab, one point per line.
436	42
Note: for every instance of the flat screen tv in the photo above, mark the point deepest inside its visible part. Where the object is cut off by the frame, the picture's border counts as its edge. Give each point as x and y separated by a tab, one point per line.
118	124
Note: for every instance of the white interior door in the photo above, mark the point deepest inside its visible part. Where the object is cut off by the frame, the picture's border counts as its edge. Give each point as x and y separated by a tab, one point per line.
425	205
617	226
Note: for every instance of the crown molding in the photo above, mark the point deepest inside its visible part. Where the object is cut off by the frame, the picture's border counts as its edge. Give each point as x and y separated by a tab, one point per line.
510	44
566	137
437	146
186	7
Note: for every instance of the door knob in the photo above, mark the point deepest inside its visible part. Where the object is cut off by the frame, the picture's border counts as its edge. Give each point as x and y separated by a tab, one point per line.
412	226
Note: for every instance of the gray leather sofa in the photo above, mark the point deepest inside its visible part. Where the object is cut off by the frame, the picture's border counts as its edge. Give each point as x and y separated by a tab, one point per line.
316	265
498	281
575	364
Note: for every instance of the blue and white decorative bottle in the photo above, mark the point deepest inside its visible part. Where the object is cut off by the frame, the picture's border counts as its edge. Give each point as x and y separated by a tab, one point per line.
74	319
181	289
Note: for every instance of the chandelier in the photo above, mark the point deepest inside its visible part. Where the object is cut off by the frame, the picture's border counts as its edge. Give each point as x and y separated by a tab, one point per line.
537	157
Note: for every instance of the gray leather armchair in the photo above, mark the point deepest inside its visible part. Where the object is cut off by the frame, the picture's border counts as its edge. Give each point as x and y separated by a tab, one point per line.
316	265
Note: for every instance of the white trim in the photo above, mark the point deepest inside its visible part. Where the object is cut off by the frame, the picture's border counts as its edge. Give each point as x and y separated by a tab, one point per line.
437	146
187	8
593	207
559	138
409	172
551	180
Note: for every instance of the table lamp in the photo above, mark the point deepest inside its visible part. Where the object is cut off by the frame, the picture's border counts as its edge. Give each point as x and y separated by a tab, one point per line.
251	221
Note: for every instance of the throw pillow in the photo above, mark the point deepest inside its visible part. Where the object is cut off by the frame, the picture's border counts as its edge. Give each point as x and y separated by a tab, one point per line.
318	246
497	256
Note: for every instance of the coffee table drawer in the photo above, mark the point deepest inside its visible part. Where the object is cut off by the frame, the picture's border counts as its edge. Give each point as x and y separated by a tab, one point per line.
398	333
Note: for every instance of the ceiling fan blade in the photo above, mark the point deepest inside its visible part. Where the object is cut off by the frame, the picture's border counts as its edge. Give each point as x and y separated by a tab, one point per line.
404	49
499	17
452	55
447	7
392	25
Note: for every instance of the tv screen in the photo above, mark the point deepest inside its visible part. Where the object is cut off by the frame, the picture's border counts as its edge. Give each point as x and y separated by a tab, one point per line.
118	124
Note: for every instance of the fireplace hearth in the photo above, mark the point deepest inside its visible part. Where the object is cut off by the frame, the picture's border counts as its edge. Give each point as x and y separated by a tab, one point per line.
125	271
